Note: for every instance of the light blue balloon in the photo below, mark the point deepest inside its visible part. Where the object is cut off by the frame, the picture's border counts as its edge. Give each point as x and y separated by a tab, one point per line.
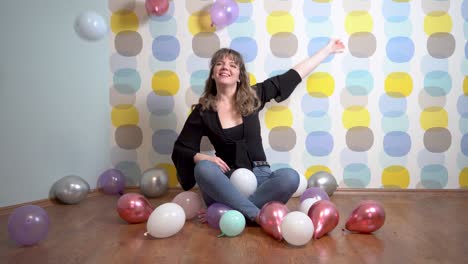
91	26
232	223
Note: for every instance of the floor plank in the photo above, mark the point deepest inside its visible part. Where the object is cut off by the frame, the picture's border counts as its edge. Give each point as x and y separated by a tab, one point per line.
420	227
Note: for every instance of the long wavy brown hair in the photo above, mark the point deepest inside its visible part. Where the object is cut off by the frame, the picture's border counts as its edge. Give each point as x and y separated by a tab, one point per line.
246	101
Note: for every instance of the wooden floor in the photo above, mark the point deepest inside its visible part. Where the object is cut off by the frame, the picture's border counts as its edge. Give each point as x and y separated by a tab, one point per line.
421	227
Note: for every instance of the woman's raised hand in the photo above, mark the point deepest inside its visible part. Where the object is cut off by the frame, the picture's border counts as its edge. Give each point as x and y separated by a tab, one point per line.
335	46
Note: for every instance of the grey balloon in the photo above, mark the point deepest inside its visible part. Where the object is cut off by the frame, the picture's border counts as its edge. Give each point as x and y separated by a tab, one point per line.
324	180
71	189
154	182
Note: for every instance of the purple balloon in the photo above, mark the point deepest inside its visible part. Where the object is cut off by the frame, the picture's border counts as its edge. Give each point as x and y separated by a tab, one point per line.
28	225
111	181
214	213
315	192
224	12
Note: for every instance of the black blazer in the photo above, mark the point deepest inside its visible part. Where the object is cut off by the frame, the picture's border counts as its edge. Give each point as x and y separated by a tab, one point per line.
240	152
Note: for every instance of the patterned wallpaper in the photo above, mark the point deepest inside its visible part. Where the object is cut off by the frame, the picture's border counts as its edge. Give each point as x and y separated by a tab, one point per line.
392	111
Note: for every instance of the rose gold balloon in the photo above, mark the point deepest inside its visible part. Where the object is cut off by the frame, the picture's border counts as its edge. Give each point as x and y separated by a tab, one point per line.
367	217
134	208
191	203
325	217
271	216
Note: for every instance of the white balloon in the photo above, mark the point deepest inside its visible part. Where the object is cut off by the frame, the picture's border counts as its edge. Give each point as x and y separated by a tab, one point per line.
302	186
166	220
245	181
297	228
91	26
306	204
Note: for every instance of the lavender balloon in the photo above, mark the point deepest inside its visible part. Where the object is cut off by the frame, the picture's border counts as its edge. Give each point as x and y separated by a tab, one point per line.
315	192
214	213
224	12
28	225
111	181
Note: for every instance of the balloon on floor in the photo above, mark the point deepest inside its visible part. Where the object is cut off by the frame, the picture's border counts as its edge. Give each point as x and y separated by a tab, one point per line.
71	189
270	217
28	225
297	228
367	217
325	217
232	223
324	180
314	192
191	202
302	186
214	213
166	220
134	208
112	181
154	182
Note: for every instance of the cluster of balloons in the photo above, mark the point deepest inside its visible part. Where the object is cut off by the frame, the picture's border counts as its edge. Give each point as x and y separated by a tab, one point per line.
316	217
163	221
157	7
224	12
91	26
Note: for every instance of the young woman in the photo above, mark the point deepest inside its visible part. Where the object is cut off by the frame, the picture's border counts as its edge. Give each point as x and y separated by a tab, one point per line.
227	113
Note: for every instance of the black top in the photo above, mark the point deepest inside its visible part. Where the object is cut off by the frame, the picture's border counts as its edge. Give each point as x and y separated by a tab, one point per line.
235	132
239	152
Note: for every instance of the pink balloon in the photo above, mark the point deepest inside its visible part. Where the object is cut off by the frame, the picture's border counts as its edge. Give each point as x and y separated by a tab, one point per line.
271	215
224	12
191	203
157	7
325	217
367	217
134	208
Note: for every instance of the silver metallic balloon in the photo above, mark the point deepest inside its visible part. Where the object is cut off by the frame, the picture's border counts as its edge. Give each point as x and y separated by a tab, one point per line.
154	182
324	180
71	189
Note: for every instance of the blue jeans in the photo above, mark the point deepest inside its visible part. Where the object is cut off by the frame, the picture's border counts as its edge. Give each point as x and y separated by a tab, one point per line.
215	186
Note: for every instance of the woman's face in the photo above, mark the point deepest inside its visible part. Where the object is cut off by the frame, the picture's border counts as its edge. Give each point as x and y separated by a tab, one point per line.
226	72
